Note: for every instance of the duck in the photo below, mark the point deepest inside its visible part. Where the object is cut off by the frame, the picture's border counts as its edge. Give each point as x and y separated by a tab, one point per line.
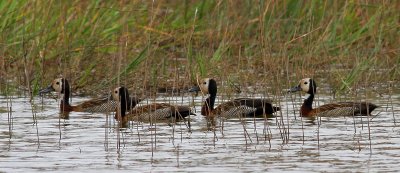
236	108
155	112
98	105
309	86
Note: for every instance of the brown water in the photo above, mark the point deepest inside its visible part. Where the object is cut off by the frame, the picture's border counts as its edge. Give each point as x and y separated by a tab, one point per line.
88	142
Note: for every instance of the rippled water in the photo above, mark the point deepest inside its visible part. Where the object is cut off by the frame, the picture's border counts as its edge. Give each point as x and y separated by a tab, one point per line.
88	142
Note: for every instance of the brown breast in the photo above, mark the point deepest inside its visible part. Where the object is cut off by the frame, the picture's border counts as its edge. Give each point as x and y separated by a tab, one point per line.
306	111
67	108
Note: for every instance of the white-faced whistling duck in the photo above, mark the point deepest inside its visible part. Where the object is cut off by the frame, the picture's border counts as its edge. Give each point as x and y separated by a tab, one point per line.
104	104
237	108
329	110
155	112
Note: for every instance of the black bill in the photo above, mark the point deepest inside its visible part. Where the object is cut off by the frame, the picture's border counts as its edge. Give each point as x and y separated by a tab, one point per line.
46	90
295	89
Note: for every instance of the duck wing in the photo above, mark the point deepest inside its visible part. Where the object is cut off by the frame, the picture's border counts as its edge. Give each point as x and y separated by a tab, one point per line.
251	102
159	111
344	109
360	108
263	106
245	107
103	104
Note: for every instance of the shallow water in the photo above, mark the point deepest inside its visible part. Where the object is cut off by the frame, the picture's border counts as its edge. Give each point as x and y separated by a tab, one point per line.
88	142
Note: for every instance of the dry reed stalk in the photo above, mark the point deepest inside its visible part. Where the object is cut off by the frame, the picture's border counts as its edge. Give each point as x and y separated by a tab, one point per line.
177	155
390	91
9	116
245	132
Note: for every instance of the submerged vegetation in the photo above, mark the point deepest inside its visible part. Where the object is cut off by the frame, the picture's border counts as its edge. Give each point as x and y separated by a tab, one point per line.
161	45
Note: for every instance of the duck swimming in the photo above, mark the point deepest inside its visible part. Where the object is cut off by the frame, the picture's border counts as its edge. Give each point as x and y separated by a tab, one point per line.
104	104
148	113
309	86
237	108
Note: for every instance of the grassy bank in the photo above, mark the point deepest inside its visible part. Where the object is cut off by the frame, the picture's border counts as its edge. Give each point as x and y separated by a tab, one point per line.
161	45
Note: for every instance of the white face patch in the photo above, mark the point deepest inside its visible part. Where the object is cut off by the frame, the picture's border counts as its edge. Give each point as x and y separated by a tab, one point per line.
57	84
203	84
115	94
305	84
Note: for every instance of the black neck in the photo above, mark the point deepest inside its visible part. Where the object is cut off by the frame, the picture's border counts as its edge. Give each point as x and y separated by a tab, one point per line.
126	104
308	101
123	113
66	92
210	102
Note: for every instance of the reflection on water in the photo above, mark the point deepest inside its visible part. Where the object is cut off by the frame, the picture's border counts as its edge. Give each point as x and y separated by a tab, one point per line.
87	142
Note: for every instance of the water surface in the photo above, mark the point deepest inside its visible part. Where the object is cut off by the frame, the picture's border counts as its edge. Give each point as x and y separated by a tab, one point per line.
89	142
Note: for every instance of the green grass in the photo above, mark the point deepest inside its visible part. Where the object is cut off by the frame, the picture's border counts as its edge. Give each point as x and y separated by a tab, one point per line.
98	43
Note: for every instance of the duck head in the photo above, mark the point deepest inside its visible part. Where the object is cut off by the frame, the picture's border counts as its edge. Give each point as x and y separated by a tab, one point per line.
59	85
206	86
306	85
121	95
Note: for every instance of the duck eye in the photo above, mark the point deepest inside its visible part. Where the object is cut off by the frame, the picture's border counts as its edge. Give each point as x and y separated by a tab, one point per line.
305	83
204	83
116	92
58	83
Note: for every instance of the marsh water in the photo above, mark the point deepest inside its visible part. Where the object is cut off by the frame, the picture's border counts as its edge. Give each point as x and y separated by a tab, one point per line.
34	138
